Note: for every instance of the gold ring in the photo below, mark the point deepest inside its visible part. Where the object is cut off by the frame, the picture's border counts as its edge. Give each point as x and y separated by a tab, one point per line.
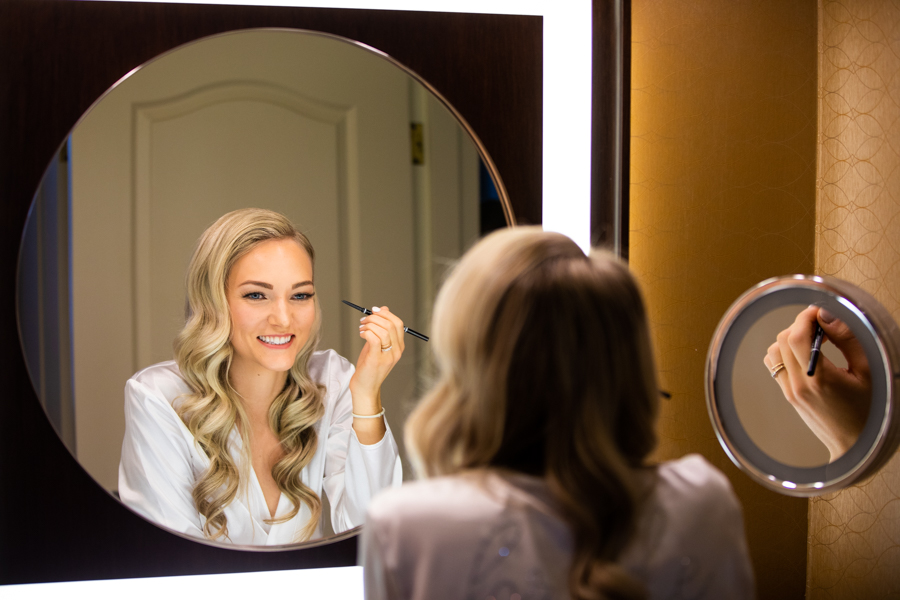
388	348
777	369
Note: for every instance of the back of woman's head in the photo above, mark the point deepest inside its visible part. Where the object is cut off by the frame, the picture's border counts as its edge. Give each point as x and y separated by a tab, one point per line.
545	367
532	337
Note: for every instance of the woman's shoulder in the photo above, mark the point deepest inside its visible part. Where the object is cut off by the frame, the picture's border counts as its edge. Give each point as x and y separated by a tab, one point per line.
424	494
455	499
450	527
691	498
693	479
162	380
446	507
690	540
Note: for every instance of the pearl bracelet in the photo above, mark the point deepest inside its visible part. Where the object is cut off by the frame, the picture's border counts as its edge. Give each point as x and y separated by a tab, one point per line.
356	416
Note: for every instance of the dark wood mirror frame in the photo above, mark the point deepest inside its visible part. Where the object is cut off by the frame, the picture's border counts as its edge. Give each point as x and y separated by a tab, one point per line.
58	56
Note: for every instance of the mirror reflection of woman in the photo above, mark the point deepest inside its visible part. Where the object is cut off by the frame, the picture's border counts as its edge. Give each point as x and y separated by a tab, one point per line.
534	446
237	439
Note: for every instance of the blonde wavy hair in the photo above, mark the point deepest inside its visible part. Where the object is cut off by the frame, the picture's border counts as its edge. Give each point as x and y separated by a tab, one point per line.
545	367
204	352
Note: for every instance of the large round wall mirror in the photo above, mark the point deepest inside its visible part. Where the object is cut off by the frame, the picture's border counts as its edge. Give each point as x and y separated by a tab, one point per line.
367	159
801	384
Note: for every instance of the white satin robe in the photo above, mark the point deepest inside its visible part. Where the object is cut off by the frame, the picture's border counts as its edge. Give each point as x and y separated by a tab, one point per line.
160	461
486	534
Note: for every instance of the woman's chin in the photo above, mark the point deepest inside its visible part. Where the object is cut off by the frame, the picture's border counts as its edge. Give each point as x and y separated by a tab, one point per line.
272	364
279	366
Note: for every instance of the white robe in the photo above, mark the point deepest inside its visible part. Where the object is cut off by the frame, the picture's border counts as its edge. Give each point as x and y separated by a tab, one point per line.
485	534
161	462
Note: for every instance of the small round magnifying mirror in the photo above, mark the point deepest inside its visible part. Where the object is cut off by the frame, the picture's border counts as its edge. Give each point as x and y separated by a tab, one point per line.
796	424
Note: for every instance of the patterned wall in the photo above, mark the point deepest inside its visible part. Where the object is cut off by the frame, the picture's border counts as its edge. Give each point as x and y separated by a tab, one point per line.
854	535
722	197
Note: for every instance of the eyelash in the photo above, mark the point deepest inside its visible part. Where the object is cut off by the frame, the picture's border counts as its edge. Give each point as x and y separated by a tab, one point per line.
305	296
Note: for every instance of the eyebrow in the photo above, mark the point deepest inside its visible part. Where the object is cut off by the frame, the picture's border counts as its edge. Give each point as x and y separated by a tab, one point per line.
268	286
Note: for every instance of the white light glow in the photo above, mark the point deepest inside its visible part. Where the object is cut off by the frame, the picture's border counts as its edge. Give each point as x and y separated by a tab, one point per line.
789	484
567	93
342	582
819	485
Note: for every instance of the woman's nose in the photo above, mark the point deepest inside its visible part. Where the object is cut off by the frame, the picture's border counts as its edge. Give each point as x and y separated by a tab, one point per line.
279	315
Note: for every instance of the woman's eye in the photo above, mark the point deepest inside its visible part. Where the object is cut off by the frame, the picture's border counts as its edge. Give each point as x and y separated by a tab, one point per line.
254	296
303	296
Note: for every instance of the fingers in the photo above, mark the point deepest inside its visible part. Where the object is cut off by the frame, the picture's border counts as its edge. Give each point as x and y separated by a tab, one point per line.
397	329
839	334
772	360
799	336
837	330
794	367
387	328
773	356
378	344
795	346
376	333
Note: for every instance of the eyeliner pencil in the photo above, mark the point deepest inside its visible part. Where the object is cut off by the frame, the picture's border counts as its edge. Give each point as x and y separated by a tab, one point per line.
366	311
815	350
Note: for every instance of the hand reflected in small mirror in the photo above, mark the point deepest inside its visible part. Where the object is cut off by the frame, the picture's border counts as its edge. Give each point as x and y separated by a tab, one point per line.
833	402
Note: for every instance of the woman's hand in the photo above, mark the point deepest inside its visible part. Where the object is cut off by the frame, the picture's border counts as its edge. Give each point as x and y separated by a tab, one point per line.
384	336
834	402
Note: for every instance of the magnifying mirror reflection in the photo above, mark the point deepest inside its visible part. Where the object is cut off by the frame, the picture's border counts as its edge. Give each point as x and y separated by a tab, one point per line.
801	384
787	412
309	125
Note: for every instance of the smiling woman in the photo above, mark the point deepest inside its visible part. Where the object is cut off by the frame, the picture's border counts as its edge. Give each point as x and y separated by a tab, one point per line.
238	438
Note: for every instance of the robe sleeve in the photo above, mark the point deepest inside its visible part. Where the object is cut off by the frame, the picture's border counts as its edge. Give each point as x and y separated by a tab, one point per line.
155	471
354	472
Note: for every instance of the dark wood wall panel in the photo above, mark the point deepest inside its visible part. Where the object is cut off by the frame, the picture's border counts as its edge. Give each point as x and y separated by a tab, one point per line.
56	58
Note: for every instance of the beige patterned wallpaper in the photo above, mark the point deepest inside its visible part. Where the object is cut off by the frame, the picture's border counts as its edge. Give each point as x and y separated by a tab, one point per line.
854	535
722	197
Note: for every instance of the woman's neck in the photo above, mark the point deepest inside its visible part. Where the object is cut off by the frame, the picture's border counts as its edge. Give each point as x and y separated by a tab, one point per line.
257	388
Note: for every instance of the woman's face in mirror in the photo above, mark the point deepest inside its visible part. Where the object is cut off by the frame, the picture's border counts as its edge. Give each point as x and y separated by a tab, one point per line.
270	298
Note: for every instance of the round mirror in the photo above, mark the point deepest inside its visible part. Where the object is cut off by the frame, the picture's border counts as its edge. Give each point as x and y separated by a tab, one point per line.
372	164
801	380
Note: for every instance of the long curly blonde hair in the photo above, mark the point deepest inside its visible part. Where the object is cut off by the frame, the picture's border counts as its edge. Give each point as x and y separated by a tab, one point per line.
545	367
204	353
